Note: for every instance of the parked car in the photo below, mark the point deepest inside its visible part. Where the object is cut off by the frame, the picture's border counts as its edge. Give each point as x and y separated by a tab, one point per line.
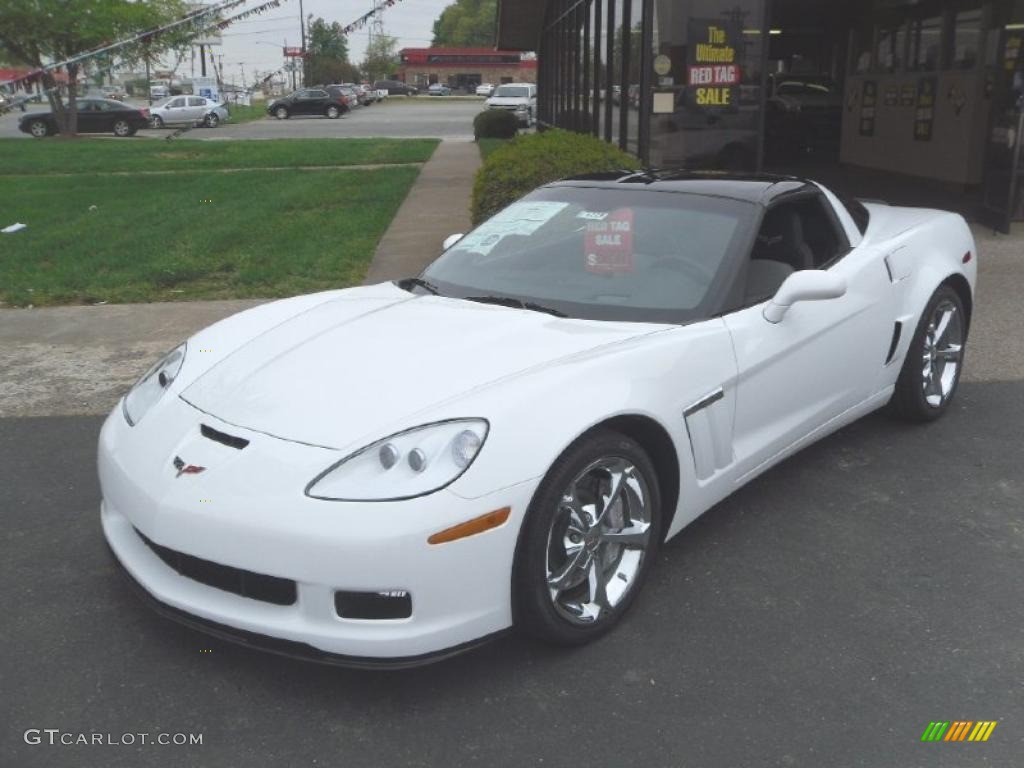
159	92
350	92
520	98
485	89
115	92
666	337
330	102
94	116
372	94
187	110
396	88
439	89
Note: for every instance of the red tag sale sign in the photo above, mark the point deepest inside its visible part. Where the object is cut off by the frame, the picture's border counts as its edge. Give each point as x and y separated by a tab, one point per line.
608	242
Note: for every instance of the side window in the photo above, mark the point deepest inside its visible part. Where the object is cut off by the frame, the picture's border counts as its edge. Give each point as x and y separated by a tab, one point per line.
177	103
795	235
195	101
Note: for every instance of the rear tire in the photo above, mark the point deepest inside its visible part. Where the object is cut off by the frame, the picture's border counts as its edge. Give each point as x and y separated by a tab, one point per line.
585	549
931	370
332	112
122	129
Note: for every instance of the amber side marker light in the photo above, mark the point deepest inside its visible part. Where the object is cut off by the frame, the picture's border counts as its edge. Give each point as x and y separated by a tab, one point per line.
471	527
967	257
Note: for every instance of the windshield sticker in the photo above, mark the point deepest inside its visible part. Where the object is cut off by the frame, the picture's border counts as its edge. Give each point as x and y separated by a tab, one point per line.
608	244
592	215
517	219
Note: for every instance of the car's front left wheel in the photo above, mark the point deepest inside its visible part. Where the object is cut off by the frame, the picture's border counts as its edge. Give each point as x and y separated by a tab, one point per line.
589	538
212	120
39	129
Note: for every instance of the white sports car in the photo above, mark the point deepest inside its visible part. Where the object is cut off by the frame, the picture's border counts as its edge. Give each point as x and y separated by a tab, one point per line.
392	473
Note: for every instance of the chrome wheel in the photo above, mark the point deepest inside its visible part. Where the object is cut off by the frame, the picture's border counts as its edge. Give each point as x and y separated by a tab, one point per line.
156	122
122	129
597	540
943	351
212	121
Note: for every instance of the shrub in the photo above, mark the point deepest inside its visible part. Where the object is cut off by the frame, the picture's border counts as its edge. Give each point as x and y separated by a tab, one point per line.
531	160
495	124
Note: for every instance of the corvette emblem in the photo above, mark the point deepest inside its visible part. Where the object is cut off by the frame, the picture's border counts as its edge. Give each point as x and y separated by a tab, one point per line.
186	469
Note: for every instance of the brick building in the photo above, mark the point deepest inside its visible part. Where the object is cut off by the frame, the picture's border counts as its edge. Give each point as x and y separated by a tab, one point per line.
465	68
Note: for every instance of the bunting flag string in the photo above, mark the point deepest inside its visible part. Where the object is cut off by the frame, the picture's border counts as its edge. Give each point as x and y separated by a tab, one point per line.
362	20
199	18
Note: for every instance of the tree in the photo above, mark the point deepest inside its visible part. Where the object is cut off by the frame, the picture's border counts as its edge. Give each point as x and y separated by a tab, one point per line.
327	55
381	58
467	24
35	32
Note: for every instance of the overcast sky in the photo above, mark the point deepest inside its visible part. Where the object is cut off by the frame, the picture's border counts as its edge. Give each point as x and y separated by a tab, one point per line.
253	40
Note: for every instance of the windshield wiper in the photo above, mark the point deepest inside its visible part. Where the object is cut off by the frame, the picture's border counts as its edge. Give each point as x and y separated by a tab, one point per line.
508	301
408	282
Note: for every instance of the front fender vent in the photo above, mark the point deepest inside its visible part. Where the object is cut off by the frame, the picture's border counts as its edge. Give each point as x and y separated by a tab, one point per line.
897	331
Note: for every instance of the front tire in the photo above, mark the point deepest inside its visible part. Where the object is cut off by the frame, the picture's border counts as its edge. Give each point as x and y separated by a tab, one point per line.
156	122
281	113
212	121
931	370
39	129
588	541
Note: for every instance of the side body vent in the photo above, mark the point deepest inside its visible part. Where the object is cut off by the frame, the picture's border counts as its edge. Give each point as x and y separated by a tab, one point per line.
897	331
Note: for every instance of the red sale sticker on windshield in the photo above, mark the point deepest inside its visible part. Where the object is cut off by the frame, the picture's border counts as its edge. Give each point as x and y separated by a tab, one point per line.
608	244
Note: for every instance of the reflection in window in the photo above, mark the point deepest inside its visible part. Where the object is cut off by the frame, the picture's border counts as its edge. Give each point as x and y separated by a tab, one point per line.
925	44
861	48
892	44
966	39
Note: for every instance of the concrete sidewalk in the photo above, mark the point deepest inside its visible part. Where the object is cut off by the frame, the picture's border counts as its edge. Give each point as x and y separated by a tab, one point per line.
65	361
437	206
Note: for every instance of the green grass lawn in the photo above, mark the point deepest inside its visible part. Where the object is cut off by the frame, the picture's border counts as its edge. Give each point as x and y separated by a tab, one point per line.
196	234
18	156
241	113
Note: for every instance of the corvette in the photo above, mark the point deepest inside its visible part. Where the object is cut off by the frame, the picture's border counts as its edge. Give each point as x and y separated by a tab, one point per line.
393	473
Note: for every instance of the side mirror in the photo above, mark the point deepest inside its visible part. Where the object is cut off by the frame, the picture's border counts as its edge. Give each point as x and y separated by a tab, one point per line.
805	285
451	240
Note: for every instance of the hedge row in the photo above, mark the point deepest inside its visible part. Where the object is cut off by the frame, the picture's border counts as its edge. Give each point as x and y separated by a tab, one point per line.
531	160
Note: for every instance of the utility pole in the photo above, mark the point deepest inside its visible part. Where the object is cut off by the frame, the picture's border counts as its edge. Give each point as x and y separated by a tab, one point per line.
302	31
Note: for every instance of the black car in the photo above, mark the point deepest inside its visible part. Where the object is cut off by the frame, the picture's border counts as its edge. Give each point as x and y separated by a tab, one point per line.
94	116
395	88
330	102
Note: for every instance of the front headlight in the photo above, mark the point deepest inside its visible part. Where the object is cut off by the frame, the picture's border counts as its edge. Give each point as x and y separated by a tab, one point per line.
412	463
152	385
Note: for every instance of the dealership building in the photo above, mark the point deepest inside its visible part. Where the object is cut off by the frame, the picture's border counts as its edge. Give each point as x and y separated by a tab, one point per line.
465	68
920	89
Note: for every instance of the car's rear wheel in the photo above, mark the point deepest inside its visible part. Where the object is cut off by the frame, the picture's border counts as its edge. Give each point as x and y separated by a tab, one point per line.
332	112
281	113
122	128
212	121
931	370
588	541
39	129
156	122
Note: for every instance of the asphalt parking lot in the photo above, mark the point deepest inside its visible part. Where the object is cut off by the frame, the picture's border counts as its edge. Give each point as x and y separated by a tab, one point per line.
823	616
402	117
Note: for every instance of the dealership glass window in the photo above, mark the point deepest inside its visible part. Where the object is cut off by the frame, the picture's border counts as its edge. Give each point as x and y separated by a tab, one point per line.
707	104
861	47
966	39
891	48
925	44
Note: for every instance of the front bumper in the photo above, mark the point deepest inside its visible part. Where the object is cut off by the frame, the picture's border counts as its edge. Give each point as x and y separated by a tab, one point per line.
247	511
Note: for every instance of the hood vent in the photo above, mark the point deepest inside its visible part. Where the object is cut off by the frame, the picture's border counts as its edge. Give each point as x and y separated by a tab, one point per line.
238	443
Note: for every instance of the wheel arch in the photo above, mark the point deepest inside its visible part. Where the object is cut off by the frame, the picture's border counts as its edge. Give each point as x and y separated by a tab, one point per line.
657	442
959	283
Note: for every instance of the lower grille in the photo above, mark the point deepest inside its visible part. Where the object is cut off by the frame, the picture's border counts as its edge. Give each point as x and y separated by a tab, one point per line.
392	604
256	586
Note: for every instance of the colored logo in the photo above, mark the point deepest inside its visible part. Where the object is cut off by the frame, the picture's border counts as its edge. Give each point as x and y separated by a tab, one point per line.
186	469
959	730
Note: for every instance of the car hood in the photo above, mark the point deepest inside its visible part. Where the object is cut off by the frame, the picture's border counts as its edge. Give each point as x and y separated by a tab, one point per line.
359	366
505	101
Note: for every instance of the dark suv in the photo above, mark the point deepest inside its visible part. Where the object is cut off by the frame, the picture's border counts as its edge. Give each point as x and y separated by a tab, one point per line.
330	102
395	88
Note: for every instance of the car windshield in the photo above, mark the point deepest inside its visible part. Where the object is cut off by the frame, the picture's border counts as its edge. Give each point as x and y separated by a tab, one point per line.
602	254
512	92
